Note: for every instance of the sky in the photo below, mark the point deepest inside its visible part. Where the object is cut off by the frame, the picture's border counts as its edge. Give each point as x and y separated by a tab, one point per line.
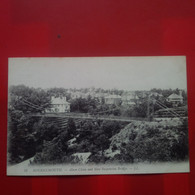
127	73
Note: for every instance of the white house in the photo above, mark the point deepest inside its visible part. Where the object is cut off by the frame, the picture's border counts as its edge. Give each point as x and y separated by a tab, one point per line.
129	99
58	104
175	99
113	99
155	94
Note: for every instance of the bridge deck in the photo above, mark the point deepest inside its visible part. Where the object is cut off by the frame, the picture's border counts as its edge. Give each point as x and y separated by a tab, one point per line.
89	117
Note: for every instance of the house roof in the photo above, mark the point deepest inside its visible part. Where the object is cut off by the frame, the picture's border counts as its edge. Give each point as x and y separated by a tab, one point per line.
174	95
156	94
59	100
113	97
130	96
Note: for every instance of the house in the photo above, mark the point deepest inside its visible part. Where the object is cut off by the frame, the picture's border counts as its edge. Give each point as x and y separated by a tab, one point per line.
175	99
113	99
155	94
100	96
58	105
129	99
142	94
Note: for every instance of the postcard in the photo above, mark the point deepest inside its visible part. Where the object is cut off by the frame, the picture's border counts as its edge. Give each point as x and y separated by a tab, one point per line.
97	115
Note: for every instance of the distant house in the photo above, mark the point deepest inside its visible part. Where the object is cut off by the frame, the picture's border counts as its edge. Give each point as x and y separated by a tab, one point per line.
175	99
113	99
155	94
129	99
142	94
100	96
58	104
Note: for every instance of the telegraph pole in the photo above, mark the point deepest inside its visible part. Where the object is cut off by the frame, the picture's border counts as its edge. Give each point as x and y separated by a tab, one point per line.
148	107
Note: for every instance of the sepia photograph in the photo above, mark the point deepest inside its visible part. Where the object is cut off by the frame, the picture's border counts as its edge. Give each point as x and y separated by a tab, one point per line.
97	115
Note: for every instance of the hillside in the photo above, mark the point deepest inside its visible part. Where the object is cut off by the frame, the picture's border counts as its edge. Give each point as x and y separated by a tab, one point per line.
149	141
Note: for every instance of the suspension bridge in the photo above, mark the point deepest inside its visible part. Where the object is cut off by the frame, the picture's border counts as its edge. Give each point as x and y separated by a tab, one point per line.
163	112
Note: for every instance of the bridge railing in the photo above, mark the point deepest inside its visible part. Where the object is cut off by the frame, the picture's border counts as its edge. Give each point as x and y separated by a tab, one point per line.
89	116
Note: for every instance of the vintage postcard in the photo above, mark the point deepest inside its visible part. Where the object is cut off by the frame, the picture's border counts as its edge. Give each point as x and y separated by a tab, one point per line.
97	115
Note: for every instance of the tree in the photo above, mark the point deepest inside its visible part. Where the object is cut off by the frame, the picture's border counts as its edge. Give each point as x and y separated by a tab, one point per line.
21	136
102	142
24	129
52	153
110	128
71	127
57	92
83	105
28	99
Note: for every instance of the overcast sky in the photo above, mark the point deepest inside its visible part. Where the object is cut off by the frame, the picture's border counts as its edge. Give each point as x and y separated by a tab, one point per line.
128	73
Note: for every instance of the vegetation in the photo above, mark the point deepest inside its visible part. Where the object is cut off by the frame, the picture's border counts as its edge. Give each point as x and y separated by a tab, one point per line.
152	142
49	142
27	100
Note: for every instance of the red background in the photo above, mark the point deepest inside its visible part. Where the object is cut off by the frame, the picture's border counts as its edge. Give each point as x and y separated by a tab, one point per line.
48	28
